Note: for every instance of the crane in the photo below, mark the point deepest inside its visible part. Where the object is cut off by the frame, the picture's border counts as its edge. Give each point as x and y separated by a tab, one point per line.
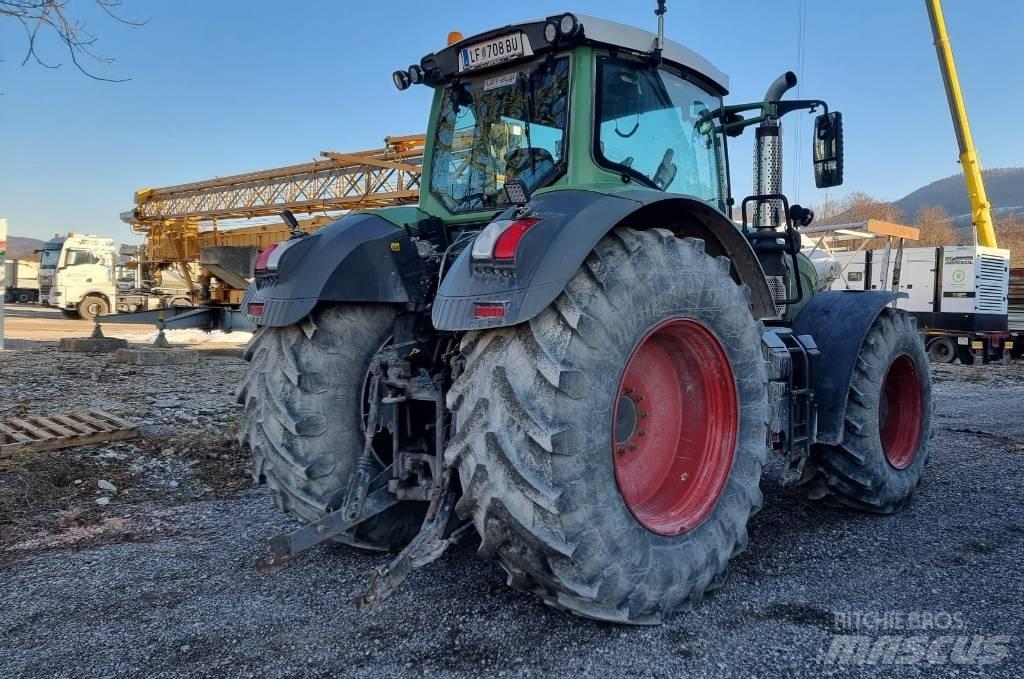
202	229
981	209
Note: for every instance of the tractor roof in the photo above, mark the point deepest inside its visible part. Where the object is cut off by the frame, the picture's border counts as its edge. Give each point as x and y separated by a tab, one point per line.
440	66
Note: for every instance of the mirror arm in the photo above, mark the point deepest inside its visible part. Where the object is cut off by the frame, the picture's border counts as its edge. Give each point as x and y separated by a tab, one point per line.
768	109
784	107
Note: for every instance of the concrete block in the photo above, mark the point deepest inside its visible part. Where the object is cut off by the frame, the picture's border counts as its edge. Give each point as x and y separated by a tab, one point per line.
150	357
92	345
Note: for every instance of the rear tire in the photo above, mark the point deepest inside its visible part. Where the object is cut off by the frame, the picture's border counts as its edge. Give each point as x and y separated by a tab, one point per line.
536	435
303	394
888	424
70	313
92	306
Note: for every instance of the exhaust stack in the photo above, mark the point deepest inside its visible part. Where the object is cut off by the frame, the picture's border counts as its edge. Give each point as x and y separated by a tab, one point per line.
768	158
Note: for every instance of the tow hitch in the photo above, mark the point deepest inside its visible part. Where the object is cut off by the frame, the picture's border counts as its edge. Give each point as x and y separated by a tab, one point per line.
416	472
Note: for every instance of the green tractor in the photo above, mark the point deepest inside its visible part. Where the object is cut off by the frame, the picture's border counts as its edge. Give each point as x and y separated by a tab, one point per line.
568	346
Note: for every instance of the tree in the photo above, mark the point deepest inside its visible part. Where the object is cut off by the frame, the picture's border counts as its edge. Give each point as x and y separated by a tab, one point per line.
936	227
859	206
41	17
1010	235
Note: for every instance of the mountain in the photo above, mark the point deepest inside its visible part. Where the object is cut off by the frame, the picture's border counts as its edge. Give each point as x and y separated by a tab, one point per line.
21	248
1004	186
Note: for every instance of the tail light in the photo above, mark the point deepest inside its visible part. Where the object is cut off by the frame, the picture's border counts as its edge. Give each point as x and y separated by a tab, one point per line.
500	239
489	310
261	261
269	258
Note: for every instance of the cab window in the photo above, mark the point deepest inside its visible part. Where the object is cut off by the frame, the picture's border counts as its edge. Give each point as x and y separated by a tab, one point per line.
650	127
77	257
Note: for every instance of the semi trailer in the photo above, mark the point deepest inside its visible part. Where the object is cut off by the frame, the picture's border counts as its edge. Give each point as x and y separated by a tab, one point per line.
957	293
22	281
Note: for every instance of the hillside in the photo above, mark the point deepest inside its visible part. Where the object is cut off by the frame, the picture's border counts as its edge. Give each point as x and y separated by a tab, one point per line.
1005	188
21	248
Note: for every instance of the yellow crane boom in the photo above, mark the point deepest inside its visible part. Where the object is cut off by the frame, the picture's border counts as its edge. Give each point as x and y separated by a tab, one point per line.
341	181
170	217
981	209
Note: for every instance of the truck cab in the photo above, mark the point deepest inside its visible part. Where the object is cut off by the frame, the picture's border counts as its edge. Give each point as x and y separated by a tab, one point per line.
76	275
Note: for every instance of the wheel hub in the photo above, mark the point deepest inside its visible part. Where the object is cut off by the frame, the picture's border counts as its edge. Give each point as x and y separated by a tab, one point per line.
627	414
901	412
675	426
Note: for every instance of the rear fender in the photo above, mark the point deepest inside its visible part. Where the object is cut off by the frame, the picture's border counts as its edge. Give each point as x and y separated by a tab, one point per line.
838	321
359	258
572	223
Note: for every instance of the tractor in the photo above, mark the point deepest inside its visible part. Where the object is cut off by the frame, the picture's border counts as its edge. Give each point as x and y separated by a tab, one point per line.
570	347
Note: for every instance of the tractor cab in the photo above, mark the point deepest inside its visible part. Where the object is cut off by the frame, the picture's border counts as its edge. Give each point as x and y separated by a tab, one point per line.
566	101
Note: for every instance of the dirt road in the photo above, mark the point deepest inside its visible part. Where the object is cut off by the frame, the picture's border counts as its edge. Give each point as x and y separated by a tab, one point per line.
160	581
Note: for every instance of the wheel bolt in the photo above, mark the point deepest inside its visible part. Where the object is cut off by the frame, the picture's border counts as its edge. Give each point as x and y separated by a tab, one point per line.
620	450
643	413
641	432
631	445
628	390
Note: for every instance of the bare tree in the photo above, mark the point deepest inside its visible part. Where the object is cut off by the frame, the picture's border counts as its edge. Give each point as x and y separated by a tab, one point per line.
41	17
1010	231
936	227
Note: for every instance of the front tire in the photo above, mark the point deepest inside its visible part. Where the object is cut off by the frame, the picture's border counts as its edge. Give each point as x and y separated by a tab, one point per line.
92	306
540	431
303	396
888	424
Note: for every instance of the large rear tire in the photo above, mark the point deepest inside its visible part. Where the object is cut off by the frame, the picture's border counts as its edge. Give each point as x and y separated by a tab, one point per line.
303	396
888	424
572	429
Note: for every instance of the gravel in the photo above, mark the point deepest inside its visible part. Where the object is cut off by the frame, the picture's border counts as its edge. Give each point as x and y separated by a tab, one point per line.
161	582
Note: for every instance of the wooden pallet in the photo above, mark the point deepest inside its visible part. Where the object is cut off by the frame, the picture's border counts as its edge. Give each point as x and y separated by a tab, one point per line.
62	431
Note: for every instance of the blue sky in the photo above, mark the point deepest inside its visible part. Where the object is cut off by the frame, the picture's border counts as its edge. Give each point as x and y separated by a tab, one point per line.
228	86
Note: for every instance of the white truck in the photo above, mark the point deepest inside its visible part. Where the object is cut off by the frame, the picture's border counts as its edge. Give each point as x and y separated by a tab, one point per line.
76	275
958	293
21	280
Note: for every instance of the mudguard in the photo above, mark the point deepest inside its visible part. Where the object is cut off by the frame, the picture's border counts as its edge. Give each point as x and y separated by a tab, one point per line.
572	223
838	321
359	258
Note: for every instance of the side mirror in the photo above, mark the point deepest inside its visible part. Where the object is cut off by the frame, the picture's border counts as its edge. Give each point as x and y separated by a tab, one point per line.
828	150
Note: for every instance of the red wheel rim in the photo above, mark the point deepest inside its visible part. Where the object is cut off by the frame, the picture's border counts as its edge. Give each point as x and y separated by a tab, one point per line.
900	411
675	426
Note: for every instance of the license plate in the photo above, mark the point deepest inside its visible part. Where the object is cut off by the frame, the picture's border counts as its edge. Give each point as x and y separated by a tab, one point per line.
494	51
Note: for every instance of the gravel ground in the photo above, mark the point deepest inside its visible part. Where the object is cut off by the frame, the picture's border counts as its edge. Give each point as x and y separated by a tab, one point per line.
160	581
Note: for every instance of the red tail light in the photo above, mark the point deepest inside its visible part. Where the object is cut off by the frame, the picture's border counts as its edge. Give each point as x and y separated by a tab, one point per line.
261	261
489	310
508	242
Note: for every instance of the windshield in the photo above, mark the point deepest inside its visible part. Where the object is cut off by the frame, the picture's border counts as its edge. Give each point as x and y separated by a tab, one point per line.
650	128
496	128
48	258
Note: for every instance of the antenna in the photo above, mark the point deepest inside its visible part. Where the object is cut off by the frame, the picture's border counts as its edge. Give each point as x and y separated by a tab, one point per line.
659	44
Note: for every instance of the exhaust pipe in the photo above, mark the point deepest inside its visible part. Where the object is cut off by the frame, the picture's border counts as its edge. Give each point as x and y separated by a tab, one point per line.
768	158
780	86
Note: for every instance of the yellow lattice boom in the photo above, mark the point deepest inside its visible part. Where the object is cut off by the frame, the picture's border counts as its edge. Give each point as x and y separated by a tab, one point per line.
170	216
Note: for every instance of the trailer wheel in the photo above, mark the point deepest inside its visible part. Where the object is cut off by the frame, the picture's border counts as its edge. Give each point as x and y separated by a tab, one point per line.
942	350
888	424
610	449
92	306
302	398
